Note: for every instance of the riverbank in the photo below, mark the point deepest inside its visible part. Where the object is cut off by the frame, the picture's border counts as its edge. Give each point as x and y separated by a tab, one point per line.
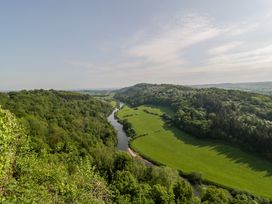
123	139
178	150
116	123
132	153
121	135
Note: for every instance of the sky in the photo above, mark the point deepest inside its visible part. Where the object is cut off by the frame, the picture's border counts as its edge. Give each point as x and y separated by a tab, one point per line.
94	44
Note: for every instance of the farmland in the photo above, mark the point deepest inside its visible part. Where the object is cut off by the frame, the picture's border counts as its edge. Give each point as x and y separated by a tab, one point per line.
217	162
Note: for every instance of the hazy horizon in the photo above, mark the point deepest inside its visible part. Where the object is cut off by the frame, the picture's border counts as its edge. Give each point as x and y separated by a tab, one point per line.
68	45
116	88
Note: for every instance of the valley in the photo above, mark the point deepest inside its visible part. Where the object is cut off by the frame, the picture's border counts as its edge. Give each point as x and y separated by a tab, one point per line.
136	102
217	162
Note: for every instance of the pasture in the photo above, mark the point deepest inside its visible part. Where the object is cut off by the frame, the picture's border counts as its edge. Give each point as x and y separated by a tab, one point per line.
217	162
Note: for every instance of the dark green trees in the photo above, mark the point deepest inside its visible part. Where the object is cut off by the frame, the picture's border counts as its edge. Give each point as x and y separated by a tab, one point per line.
237	117
53	163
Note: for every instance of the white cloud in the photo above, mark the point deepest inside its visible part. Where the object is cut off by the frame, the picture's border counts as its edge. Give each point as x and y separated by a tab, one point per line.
224	48
168	45
242	28
160	57
258	58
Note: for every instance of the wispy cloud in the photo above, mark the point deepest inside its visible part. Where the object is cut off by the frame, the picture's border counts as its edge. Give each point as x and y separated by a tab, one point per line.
255	58
168	45
242	28
161	56
224	48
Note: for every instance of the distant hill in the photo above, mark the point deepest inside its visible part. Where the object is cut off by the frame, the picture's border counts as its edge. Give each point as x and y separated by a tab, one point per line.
256	87
239	117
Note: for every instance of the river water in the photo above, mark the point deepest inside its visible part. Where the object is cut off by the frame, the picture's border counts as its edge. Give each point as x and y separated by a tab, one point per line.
123	141
121	135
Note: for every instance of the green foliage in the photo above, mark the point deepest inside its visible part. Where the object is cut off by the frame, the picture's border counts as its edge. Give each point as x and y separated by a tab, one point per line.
214	195
240	118
195	178
244	199
56	119
216	162
46	179
133	182
162	195
13	141
124	183
55	164
183	192
60	149
164	176
128	128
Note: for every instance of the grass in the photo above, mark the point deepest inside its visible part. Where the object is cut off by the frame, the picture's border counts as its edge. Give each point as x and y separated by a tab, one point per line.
217	162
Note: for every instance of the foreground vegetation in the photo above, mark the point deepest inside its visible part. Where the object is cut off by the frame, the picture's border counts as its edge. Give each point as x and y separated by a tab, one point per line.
216	162
57	147
50	142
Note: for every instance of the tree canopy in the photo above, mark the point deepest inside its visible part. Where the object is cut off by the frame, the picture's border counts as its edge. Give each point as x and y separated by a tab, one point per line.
57	147
240	118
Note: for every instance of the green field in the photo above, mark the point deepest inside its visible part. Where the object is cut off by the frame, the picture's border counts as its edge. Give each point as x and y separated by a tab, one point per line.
217	162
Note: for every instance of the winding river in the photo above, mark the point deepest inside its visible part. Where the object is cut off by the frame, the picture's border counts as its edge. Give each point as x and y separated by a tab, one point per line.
123	141
121	135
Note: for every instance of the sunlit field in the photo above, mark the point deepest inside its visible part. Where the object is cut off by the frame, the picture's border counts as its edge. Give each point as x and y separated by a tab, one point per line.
216	162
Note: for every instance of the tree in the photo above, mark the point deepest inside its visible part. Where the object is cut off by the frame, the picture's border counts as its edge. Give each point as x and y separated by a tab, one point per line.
160	195
183	192
213	195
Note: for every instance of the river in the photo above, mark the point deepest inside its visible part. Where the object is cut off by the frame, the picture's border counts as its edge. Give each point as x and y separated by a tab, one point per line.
121	135
123	141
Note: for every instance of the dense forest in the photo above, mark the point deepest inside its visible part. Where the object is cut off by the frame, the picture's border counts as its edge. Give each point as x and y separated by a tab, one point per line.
57	147
240	118
60	149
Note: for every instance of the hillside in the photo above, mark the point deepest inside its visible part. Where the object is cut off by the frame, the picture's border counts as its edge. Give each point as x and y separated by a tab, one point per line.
57	147
46	148
255	87
215	161
240	118
220	133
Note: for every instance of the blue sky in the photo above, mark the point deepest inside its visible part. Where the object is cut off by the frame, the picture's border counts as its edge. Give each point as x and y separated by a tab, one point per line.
69	44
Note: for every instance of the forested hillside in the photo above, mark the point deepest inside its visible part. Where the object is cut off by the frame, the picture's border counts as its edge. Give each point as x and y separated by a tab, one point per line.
46	151
61	149
57	119
241	118
57	147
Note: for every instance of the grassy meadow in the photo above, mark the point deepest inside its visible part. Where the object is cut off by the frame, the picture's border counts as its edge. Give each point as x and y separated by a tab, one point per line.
217	162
